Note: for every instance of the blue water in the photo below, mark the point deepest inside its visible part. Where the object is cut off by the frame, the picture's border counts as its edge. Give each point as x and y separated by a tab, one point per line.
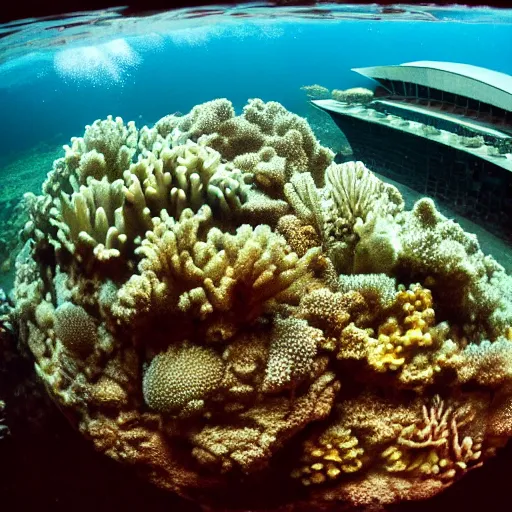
51	96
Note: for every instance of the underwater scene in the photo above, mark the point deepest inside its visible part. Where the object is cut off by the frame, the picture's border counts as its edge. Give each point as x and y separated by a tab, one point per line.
256	259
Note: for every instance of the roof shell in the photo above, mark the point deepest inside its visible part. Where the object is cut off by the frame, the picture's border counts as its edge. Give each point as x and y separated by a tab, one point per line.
482	84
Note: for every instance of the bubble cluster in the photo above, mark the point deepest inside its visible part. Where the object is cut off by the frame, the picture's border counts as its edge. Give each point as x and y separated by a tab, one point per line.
101	64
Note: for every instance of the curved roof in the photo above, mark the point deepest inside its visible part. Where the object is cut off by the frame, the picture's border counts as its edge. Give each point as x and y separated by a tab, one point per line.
482	84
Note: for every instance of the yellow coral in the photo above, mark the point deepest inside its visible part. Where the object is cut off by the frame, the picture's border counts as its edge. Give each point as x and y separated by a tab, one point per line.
335	452
407	330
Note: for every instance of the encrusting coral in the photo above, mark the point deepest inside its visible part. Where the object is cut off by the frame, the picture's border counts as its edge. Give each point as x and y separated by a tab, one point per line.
248	324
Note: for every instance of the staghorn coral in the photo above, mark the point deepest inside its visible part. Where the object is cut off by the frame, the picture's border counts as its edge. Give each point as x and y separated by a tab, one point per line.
215	303
433	445
184	276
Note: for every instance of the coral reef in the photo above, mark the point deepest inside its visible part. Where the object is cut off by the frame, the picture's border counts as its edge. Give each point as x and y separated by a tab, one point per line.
216	303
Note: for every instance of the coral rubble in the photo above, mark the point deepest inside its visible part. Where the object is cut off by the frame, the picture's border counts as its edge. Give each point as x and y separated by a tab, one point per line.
215	302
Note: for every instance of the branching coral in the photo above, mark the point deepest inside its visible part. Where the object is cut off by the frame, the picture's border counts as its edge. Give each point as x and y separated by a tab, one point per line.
240	275
216	303
433	445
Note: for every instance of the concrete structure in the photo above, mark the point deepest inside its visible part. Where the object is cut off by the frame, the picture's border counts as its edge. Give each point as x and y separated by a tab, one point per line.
443	129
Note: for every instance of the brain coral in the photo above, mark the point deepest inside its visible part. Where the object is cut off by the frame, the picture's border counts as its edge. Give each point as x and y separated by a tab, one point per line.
181	378
252	326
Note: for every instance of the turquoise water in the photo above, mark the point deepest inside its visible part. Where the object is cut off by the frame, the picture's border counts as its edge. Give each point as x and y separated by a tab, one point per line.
56	92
